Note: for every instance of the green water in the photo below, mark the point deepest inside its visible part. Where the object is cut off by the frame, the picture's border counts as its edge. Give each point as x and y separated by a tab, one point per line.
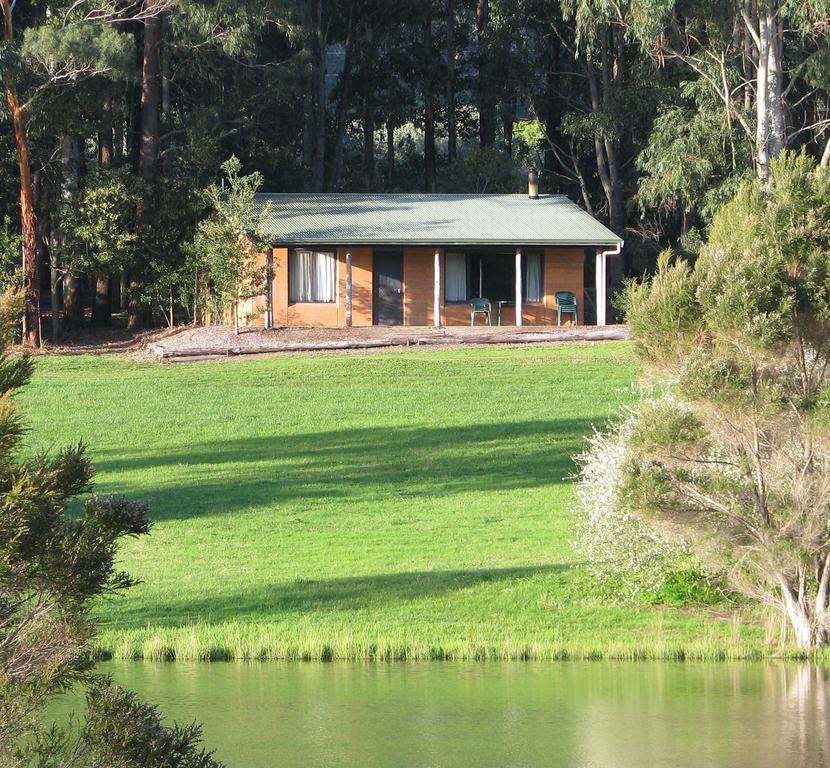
478	715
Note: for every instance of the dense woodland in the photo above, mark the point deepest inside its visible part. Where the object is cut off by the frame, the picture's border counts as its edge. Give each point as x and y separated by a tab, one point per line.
118	116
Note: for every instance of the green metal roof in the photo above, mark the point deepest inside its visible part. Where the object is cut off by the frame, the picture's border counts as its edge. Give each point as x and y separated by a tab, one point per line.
428	219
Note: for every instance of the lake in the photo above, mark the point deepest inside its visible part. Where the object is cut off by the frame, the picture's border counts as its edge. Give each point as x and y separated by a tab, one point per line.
504	715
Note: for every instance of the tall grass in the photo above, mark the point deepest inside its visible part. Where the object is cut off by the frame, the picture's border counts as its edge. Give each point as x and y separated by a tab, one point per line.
240	641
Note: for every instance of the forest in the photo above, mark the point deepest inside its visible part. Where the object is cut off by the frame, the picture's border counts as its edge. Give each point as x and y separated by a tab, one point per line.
118	116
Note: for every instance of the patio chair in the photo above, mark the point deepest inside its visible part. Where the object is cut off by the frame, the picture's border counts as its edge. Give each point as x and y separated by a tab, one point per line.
480	307
566	304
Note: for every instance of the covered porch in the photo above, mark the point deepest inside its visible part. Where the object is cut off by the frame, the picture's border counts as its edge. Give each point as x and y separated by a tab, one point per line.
518	285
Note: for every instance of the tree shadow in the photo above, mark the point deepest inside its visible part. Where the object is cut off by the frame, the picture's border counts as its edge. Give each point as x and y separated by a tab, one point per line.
357	593
375	463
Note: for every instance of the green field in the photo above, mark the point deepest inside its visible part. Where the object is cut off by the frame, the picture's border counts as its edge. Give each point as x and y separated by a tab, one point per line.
398	504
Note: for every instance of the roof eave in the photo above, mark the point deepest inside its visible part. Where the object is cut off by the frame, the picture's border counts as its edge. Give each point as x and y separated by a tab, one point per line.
291	243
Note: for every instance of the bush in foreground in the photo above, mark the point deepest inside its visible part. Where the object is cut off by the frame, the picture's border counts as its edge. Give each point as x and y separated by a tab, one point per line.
626	556
53	565
739	463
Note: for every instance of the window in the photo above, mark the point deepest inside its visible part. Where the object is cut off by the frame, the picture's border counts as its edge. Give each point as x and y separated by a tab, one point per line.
311	276
455	275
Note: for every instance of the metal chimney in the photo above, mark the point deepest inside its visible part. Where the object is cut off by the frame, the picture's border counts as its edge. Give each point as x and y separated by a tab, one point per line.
533	184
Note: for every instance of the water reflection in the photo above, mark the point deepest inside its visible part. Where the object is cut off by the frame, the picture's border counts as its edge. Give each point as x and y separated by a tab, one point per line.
448	715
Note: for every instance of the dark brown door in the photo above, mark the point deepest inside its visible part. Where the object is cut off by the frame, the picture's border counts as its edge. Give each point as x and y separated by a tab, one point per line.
388	288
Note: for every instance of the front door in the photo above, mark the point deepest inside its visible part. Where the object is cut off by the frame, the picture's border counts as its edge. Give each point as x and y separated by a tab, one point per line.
388	288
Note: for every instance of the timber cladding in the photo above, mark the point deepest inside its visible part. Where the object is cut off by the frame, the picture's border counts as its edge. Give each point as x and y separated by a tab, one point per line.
563	270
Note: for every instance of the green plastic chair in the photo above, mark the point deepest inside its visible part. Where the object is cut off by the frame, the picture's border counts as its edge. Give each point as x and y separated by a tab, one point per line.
566	304
480	307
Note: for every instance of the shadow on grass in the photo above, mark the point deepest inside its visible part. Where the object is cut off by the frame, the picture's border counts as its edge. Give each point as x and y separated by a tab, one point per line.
365	464
359	593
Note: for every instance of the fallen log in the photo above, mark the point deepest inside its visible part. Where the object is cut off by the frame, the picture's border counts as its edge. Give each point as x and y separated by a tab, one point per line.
612	333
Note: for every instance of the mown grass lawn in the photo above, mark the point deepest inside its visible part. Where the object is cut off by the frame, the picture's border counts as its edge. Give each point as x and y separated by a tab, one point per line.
398	504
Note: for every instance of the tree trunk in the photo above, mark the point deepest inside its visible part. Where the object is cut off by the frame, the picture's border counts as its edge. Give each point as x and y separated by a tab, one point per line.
484	86
368	147
308	140
616	212
747	62
101	307
390	153
28	220
106	148
452	140
319	99
508	118
31	267
46	253
605	150
124	290
769	137
134	118
429	103
149	148
800	620
117	130
308	110
101	302
342	107
54	284
552	109
150	98
825	156
73	309
775	78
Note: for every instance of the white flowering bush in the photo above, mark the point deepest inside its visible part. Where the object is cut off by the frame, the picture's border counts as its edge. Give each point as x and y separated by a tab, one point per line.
622	552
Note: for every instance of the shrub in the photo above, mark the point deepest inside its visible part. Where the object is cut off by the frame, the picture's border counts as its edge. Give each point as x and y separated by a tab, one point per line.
625	556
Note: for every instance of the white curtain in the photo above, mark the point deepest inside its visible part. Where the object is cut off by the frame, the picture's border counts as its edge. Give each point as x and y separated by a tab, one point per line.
299	276
455	276
324	278
311	276
533	277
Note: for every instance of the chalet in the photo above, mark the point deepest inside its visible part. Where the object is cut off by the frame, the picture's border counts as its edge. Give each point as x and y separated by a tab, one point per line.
423	259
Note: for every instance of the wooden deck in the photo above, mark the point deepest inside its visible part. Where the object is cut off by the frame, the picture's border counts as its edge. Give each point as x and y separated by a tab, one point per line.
220	341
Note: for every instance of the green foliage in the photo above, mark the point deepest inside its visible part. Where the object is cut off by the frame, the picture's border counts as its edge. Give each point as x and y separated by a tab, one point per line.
99	225
122	732
532	142
766	264
223	252
55	562
482	170
66	52
692	162
626	557
238	81
175	206
689	586
742	467
10	255
663	313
